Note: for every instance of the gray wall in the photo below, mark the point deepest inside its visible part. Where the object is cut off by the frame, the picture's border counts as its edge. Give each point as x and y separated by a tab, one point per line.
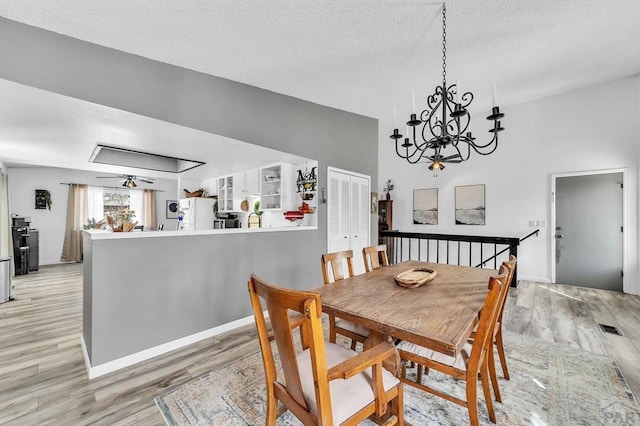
149	291
67	66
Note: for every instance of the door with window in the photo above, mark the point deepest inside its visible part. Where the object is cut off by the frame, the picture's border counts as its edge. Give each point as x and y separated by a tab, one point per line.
348	221
589	230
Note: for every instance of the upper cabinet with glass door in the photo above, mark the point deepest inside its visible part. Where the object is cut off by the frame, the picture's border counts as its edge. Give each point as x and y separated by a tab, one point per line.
225	194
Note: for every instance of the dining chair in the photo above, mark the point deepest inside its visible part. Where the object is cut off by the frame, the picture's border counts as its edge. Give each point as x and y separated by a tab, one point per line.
471	362
333	266
375	257
323	383
496	339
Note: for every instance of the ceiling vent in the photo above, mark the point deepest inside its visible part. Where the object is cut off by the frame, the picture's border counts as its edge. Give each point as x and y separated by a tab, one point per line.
142	160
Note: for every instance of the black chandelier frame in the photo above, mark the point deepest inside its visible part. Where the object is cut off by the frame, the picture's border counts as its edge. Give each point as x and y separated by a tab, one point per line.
445	125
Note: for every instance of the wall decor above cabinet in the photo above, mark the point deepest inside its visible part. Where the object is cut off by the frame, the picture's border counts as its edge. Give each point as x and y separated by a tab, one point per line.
307	180
43	199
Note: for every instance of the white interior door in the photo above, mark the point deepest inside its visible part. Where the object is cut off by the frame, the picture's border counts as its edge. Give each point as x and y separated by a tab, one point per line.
360	215
348	221
339	224
589	230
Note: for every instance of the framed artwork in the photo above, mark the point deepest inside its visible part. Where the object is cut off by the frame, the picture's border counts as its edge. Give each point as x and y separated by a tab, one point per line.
425	206
172	209
470	205
374	203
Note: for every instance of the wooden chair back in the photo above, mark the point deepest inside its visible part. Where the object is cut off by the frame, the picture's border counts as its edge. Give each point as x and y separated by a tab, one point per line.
375	257
498	340
280	304
289	309
336	260
510	266
483	339
476	362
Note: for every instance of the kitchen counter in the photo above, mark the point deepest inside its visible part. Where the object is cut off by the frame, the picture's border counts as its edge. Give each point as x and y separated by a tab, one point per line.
97	234
147	293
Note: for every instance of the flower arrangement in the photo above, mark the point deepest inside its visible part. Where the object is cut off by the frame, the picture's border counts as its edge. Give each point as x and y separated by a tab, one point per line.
388	187
93	224
122	221
125	215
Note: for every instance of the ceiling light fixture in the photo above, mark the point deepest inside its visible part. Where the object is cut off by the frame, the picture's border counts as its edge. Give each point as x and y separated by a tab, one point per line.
116	156
129	183
445	123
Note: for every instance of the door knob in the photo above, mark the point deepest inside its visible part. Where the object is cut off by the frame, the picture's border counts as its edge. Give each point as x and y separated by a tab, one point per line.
559	236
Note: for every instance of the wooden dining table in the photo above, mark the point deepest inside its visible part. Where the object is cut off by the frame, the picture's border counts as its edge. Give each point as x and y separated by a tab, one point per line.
438	315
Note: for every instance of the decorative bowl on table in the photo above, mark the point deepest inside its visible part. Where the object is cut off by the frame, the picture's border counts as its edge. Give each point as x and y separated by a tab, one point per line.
415	277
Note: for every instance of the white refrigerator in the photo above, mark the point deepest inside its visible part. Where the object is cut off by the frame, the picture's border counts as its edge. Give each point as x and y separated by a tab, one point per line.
198	213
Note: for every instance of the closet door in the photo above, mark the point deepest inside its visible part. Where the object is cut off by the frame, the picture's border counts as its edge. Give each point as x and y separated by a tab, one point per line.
348	221
359	220
339	237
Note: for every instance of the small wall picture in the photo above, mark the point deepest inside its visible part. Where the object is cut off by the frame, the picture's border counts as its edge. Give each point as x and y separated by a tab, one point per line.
425	206
172	209
470	205
374	203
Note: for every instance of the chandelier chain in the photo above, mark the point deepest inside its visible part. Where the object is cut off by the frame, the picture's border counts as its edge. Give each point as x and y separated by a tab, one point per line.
444	42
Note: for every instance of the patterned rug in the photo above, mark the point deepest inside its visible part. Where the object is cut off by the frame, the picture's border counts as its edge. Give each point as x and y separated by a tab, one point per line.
550	384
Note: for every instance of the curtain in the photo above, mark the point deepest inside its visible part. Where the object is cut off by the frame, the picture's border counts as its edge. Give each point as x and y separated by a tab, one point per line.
76	218
95	203
149	212
6	242
135	204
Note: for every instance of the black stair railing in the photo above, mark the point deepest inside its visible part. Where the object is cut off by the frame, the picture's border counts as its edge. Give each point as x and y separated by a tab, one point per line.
469	250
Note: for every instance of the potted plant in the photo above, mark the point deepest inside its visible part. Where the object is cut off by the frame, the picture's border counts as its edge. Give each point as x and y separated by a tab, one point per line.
253	223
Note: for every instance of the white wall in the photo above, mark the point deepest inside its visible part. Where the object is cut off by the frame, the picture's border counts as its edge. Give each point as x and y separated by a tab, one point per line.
23	182
591	129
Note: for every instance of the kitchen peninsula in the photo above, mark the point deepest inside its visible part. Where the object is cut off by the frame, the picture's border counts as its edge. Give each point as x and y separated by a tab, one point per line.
147	293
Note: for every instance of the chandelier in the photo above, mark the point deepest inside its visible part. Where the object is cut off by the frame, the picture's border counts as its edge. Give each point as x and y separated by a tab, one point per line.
442	128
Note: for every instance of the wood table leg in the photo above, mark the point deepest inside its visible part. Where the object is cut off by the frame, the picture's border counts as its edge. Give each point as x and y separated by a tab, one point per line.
391	364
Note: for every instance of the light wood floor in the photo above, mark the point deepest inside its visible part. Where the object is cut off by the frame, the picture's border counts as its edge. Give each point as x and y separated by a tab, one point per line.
43	378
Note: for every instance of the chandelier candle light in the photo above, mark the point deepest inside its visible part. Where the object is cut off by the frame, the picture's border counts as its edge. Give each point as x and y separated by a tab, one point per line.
444	136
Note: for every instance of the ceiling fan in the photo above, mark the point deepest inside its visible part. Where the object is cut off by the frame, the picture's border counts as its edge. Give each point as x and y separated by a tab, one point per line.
128	181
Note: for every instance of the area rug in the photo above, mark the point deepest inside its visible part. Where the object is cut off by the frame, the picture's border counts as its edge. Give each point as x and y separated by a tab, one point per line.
551	384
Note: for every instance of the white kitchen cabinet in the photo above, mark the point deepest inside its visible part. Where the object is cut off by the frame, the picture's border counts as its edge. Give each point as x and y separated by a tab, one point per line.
210	186
348	220
245	184
276	187
225	194
252	181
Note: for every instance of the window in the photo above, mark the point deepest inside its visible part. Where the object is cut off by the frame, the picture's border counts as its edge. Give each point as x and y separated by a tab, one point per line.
113	202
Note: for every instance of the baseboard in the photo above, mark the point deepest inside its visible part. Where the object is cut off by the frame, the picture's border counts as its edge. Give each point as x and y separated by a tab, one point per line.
94	371
536	279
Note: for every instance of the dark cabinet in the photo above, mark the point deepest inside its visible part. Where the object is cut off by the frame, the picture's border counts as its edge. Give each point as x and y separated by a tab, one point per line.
385	217
26	256
33	244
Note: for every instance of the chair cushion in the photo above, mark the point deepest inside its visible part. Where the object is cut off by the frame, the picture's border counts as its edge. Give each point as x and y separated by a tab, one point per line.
347	396
352	327
459	362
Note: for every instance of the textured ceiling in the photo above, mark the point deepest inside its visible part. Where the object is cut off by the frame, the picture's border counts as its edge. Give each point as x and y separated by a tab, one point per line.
365	56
